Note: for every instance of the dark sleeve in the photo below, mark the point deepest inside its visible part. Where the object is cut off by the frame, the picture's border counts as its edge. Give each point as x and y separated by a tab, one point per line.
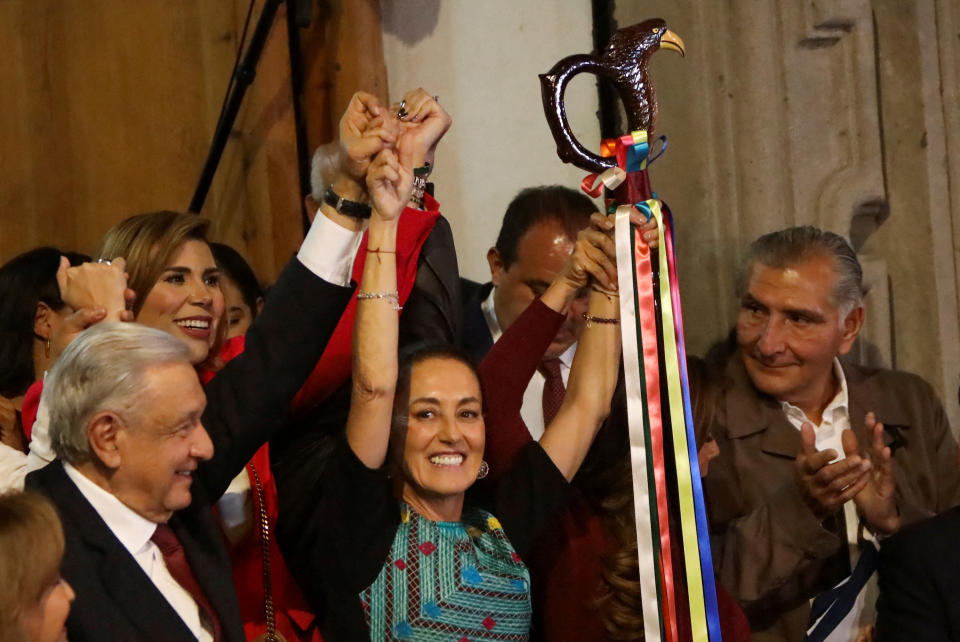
247	400
525	497
504	375
919	587
432	312
339	548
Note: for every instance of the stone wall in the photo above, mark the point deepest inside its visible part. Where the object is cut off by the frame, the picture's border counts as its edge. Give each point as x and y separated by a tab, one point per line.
836	113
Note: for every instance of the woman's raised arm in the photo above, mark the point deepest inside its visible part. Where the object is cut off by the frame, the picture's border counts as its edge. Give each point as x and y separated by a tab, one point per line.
376	329
593	376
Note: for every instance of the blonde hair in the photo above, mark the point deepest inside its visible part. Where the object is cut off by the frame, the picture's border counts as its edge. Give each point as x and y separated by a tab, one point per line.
31	550
148	242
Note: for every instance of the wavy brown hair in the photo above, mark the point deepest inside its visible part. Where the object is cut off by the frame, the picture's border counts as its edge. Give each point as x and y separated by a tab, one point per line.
620	605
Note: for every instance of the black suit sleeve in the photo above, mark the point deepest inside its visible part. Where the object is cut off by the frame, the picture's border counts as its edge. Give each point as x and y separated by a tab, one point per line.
249	398
919	582
432	312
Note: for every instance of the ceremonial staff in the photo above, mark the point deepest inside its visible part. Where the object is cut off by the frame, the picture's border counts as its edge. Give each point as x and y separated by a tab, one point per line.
663	450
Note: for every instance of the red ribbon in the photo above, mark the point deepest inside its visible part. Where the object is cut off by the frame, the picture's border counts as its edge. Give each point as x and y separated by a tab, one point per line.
647	320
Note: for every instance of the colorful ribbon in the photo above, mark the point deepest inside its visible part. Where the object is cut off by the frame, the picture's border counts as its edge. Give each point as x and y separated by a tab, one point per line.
653	422
636	420
706	557
653	395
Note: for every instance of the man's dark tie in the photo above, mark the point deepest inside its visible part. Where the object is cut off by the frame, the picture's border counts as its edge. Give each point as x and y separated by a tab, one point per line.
553	389
176	561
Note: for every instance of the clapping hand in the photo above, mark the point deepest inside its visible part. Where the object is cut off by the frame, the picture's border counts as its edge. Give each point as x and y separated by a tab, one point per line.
876	502
827	486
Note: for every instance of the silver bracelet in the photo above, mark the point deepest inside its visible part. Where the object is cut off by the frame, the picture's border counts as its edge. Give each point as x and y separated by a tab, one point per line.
392	297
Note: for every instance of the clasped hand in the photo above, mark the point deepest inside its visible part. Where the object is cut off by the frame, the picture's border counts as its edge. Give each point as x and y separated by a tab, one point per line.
367	128
866	478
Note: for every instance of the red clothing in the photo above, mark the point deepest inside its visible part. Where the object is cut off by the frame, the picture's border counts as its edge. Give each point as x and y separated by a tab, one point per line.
567	562
294	618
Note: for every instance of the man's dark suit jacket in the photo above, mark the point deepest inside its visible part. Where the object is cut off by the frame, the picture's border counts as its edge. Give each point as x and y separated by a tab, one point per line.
115	600
920	582
477	340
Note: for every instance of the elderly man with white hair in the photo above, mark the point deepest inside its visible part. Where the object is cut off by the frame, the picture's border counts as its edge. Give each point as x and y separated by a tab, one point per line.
135	477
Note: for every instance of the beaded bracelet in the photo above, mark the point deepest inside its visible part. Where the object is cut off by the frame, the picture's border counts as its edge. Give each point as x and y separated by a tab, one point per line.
391	297
590	319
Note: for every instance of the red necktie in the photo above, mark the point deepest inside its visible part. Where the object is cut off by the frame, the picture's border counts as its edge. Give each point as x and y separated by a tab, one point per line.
553	389
173	556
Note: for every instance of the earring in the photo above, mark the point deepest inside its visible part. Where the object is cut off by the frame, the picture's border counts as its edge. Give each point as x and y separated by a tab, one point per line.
484	470
46	349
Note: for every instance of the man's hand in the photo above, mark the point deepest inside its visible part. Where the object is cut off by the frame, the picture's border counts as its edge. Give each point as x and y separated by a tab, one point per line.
825	486
424	125
876	502
93	285
11	433
390	185
365	130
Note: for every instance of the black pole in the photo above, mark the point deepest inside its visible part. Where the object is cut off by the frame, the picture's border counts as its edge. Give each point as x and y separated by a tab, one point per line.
296	83
604	26
244	76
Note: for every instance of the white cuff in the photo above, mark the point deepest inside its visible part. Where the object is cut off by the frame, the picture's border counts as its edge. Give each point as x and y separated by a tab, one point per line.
329	250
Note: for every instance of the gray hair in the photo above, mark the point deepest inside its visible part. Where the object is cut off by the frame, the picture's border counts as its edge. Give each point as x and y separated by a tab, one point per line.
795	244
325	161
102	369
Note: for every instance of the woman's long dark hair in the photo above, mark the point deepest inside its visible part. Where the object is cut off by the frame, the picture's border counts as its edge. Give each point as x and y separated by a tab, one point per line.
620	604
25	281
235	267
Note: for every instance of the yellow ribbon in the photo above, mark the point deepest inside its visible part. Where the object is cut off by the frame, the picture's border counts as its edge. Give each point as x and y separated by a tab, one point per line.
688	523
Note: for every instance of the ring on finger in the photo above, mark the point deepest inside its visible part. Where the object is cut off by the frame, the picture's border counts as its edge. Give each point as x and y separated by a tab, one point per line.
402	112
105	261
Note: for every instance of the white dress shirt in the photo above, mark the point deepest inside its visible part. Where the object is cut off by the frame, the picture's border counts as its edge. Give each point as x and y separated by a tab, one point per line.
532	409
836	419
328	251
134	533
13	468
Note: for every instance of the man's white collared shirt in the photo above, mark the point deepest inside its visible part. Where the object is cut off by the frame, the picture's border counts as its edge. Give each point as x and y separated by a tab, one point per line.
836	419
134	533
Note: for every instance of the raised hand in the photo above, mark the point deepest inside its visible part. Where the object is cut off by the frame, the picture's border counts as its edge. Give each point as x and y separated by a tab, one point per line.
74	325
826	487
390	184
648	228
423	126
365	130
876	502
91	285
594	255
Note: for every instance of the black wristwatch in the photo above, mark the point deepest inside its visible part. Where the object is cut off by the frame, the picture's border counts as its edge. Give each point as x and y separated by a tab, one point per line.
342	205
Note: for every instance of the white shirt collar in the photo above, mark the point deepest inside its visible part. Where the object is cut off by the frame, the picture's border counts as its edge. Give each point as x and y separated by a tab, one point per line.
490	315
133	530
839	403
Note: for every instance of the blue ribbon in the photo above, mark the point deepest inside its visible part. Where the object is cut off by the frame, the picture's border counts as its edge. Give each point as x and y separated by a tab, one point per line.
703	533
